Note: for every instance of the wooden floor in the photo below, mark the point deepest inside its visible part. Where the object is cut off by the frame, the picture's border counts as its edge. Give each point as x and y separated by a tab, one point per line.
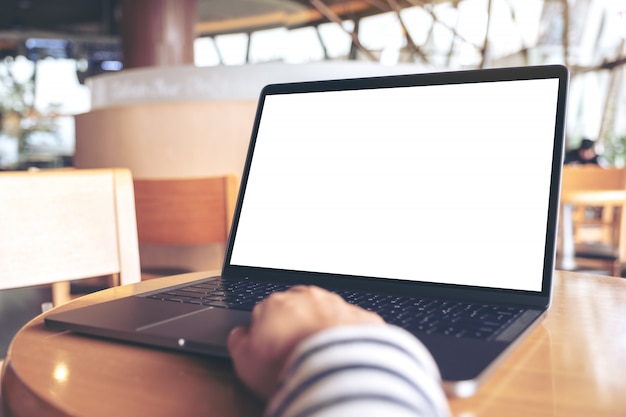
17	307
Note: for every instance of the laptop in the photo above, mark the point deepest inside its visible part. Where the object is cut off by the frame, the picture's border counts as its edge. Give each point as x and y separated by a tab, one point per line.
411	195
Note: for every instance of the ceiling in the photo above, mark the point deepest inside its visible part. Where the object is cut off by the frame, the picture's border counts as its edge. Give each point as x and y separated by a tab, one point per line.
102	17
62	16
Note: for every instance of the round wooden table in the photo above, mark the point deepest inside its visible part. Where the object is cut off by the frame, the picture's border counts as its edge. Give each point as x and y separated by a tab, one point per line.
64	374
571	365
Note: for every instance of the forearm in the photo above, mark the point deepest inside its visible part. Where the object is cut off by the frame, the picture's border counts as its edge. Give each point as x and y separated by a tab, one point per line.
360	370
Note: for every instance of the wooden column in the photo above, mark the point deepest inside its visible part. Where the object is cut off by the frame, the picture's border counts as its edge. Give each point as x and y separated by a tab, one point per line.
158	32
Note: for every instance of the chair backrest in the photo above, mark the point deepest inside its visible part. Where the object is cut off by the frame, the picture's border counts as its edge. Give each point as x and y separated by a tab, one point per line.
62	225
185	211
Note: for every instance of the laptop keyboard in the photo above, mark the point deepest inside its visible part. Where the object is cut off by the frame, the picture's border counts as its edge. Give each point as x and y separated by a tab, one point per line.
419	315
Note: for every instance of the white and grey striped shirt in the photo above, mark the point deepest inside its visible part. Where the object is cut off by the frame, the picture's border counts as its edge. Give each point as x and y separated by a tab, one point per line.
365	370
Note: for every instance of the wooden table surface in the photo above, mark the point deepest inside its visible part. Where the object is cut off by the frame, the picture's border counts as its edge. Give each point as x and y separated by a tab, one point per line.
591	197
573	364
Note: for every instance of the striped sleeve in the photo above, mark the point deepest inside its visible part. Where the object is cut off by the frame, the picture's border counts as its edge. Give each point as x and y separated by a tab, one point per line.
367	370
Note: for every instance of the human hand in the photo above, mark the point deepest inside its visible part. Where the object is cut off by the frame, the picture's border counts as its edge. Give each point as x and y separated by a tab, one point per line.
279	323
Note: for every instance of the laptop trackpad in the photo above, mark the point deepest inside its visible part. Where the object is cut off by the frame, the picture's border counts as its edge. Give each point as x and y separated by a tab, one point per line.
201	331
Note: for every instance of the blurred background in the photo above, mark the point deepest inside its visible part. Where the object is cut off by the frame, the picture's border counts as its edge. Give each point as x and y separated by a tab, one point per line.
49	50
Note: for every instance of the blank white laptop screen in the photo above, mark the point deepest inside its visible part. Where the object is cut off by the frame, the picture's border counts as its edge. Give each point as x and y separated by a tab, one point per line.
443	184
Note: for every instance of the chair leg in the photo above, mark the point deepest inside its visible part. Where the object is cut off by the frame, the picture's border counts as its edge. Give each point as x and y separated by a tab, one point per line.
60	293
617	269
114	280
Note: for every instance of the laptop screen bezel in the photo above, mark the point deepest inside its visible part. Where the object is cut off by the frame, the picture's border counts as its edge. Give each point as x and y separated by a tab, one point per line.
540	299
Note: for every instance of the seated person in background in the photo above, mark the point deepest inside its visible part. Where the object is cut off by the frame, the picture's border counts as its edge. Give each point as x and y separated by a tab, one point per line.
310	353
584	154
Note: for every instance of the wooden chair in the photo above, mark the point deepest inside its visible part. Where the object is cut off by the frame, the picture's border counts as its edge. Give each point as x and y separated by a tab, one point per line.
62	225
184	212
598	211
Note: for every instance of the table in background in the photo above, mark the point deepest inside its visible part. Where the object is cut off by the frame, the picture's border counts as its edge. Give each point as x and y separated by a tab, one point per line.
571	199
571	365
